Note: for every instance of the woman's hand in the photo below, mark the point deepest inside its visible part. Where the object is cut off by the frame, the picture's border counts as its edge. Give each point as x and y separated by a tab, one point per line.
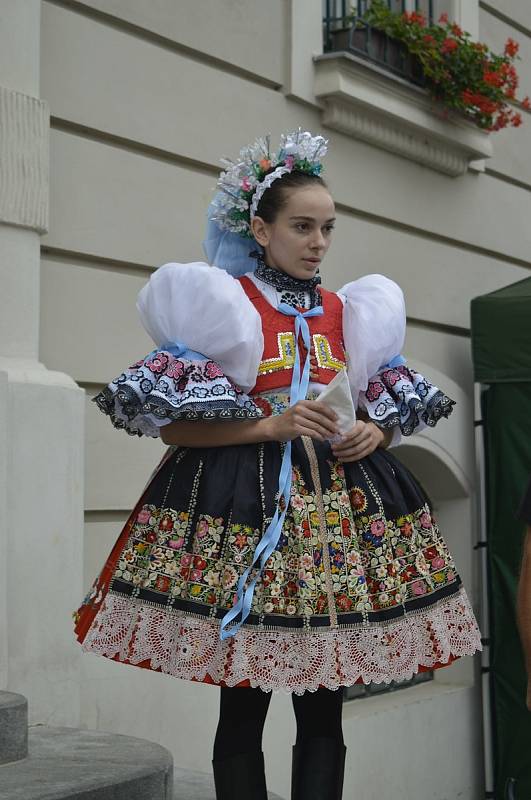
360	442
305	418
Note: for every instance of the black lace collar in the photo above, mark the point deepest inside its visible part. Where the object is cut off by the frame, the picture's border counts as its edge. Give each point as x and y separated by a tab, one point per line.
293	290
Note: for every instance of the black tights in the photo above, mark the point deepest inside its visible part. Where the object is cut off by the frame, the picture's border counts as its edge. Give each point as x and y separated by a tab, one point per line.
243	713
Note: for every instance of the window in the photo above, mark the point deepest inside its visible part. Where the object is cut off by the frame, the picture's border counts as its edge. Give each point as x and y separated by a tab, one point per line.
371	44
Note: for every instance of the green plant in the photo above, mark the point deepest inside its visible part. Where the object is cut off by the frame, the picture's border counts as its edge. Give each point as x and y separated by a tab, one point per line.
461	74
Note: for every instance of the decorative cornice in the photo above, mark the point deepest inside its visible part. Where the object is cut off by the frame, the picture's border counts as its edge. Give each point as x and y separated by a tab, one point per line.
362	124
24	160
366	102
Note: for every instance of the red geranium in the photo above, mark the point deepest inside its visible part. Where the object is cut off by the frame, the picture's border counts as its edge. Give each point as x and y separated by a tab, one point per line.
511	48
414	18
460	74
448	46
493	78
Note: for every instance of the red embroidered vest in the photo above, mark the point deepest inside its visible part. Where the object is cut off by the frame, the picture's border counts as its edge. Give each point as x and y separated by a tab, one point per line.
278	358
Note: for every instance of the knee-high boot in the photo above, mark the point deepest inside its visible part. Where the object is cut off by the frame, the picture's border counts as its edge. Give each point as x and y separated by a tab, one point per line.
240	777
318	768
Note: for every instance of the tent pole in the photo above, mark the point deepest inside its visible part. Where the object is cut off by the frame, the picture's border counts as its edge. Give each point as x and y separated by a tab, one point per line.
481	511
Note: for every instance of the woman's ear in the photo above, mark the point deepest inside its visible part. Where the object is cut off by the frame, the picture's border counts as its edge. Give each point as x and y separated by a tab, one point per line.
260	231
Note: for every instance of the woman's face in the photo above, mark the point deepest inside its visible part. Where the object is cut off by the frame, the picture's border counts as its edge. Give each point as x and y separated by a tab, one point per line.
297	241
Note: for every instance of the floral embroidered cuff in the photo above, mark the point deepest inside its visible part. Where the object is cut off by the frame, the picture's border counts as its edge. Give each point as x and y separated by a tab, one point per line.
162	388
403	398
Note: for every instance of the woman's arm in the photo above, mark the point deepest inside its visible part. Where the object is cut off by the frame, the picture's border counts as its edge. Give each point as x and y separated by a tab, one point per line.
387	434
305	418
216	434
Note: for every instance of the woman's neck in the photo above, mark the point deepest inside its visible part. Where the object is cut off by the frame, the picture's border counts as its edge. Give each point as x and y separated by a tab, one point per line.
277	272
283	282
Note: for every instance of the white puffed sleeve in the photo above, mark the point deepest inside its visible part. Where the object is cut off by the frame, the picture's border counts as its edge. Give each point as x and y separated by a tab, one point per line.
208	310
374	327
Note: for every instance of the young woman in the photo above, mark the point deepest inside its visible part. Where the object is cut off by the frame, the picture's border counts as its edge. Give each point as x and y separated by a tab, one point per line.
273	549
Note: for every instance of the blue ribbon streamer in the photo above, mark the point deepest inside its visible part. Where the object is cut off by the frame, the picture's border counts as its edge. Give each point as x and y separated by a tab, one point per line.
268	542
395	362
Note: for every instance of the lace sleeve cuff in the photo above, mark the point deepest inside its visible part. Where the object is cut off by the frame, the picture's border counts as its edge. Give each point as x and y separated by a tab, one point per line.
404	399
162	388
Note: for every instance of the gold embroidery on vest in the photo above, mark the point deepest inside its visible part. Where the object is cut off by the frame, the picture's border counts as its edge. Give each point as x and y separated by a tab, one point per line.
323	353
285	358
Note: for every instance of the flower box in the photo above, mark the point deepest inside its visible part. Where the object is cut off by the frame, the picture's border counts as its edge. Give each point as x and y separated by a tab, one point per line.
367	102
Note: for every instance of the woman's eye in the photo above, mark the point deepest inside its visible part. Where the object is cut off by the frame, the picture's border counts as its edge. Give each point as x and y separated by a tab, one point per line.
302	226
329	228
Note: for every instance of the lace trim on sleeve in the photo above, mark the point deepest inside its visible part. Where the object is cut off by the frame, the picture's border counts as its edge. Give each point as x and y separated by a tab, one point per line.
163	388
404	398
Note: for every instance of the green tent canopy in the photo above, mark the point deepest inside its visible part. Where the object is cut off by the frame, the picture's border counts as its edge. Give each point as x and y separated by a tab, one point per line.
501	347
501	334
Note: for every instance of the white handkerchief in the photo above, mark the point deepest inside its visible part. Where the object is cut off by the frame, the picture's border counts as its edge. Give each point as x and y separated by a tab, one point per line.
338	396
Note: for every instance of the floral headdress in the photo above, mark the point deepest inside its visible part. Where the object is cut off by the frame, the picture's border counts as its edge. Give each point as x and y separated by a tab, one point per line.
243	182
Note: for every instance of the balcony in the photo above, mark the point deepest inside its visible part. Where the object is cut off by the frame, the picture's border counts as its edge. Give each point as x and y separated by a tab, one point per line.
372	89
341	34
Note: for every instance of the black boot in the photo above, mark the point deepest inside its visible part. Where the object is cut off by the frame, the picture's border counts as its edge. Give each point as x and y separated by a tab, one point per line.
317	772
240	777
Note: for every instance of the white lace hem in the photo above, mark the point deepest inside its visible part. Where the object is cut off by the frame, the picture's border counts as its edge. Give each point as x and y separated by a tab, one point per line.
189	646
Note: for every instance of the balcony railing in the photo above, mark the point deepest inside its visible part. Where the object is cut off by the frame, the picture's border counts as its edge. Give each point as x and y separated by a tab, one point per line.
353	35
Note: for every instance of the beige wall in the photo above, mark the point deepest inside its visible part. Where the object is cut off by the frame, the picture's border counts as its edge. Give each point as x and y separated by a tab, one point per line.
145	98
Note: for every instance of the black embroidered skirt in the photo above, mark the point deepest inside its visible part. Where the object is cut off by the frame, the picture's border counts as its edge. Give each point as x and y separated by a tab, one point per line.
361	586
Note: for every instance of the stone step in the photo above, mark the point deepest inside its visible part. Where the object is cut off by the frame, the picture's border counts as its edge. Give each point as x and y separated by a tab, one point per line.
88	765
13	727
191	785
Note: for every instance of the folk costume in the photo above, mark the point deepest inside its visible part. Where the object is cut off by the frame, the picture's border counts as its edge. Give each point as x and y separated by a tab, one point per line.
274	565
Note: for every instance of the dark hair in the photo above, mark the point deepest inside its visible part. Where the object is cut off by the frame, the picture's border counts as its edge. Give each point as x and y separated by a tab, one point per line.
276	197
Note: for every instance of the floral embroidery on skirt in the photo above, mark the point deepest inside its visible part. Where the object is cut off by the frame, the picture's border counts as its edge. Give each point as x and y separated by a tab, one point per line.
361	586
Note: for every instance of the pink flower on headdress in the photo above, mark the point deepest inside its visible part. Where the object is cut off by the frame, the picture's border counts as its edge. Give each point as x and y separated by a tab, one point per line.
289	161
246	186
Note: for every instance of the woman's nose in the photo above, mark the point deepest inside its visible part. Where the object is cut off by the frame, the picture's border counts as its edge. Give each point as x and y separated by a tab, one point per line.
318	241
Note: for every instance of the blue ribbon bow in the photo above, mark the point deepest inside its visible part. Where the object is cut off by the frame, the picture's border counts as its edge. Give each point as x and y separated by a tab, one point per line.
270	538
179	349
395	362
